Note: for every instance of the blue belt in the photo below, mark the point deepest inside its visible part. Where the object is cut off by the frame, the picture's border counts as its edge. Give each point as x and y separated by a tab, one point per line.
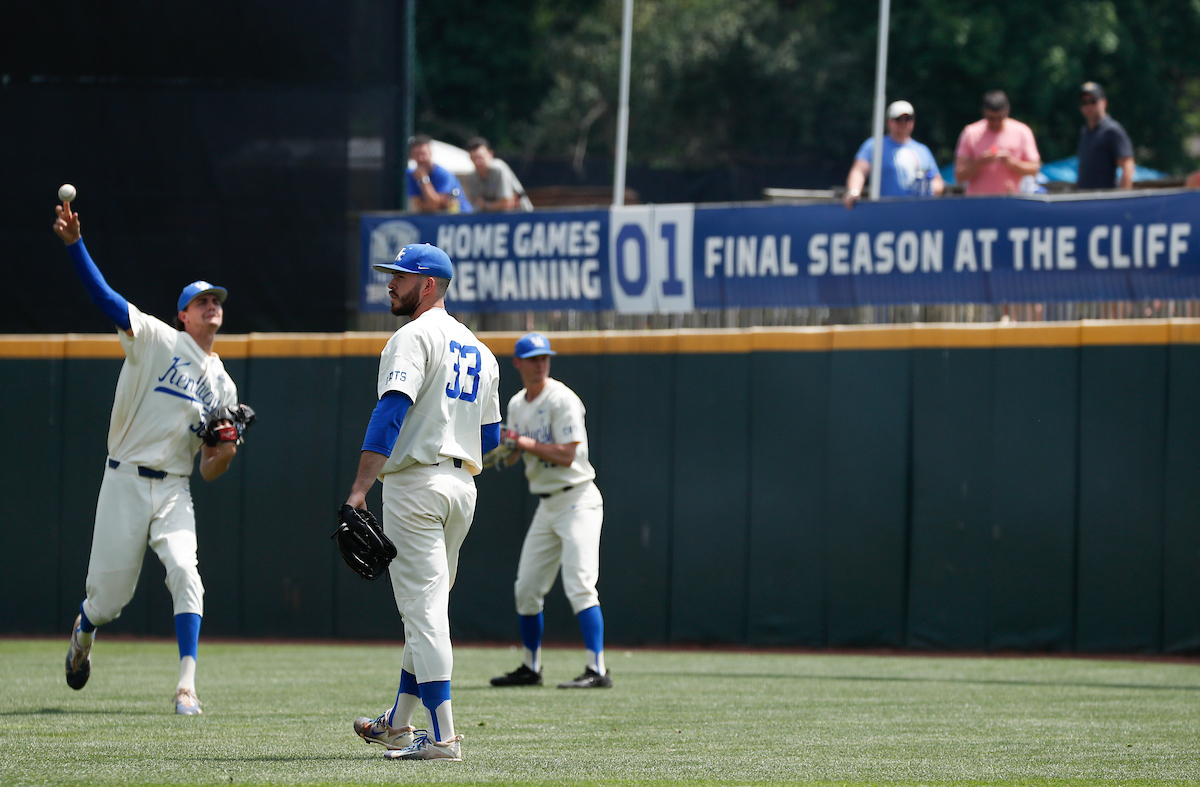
144	472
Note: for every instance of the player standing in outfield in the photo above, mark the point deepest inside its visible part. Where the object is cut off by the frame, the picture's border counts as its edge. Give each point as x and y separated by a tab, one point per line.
547	418
438	413
171	385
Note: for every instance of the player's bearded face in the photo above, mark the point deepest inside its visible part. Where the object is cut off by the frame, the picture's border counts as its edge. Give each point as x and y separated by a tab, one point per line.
406	295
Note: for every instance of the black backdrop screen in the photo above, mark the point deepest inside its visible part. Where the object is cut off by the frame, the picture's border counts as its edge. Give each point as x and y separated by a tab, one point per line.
233	142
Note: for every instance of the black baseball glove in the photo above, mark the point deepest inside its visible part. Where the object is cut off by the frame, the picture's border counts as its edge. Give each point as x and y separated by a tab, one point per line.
362	542
239	416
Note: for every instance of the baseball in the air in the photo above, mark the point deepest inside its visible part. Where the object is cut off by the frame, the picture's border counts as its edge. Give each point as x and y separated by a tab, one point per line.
66	192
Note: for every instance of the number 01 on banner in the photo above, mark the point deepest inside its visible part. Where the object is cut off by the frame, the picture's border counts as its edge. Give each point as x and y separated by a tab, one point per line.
650	249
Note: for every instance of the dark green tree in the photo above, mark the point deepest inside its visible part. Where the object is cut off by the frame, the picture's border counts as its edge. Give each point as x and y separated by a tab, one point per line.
715	82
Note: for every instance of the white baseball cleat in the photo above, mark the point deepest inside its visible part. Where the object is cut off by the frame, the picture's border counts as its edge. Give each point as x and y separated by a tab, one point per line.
378	731
79	659
425	748
186	703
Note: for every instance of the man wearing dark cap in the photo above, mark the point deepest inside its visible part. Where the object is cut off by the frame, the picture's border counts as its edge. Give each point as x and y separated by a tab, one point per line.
1103	144
170	385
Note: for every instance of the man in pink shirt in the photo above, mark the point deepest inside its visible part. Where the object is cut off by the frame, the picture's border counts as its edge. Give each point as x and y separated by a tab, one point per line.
993	154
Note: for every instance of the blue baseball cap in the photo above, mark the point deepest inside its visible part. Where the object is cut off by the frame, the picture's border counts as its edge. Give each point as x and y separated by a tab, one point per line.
420	258
196	289
532	344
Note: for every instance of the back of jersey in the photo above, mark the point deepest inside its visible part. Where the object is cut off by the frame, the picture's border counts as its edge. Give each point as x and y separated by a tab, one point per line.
453	381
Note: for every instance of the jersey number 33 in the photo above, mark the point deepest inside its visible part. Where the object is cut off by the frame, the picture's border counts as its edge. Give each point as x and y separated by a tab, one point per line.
467	363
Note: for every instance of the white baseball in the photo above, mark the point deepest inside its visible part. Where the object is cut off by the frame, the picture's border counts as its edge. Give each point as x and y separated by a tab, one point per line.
66	192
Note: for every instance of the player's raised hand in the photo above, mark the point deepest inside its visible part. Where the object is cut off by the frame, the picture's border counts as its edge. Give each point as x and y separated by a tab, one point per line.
66	226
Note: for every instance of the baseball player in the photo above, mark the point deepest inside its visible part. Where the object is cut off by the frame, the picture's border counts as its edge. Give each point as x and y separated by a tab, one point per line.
438	413
546	423
171	385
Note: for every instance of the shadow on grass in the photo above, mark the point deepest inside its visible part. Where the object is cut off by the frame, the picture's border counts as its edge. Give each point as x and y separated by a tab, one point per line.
287	758
71	712
901	679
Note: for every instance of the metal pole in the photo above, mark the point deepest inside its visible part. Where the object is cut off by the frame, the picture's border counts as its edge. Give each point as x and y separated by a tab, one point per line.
409	88
623	106
885	9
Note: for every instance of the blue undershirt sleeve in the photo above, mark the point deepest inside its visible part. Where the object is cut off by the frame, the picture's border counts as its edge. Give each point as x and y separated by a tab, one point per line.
489	436
385	423
110	302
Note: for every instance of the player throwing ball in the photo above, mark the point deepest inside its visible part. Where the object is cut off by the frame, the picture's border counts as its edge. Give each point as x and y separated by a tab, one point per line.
172	393
546	422
438	413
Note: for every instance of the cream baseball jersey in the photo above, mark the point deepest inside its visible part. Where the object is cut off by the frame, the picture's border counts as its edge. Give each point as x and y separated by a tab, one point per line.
555	416
453	380
167	387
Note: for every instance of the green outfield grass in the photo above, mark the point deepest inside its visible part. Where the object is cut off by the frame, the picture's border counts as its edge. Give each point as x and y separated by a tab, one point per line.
280	714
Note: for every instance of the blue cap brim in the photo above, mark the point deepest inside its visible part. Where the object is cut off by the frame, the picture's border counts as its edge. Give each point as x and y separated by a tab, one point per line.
391	267
221	292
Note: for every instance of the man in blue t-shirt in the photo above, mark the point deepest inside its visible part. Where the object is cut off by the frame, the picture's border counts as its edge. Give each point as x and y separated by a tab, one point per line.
432	189
909	169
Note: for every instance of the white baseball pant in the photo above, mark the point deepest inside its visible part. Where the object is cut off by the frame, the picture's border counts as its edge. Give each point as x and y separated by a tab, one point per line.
132	512
427	512
565	531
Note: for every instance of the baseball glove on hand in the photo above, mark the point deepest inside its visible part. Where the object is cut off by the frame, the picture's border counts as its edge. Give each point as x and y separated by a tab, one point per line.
362	543
215	430
506	448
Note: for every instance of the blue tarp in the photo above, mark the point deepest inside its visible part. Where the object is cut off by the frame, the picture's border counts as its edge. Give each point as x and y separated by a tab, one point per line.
1066	171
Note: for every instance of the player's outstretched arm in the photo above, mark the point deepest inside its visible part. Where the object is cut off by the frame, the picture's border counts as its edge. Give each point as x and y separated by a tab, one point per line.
215	459
115	307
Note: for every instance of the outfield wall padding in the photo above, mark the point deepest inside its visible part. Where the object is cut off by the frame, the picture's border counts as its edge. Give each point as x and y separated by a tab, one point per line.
982	488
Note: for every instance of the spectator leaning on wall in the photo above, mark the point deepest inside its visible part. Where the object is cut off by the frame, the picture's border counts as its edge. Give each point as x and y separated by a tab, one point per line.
492	185
908	167
431	188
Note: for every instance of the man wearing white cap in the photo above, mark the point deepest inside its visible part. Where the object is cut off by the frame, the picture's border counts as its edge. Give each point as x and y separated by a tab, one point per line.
909	169
171	385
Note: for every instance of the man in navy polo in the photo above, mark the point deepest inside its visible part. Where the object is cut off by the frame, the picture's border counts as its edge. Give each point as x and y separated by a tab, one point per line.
1103	144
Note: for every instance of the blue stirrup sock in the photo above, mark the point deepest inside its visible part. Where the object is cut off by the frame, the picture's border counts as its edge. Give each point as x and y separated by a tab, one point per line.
85	634
187	632
407	700
531	637
85	625
591	623
435	696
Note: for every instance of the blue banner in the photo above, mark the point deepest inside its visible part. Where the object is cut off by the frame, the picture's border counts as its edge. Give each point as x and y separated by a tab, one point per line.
677	258
504	262
973	250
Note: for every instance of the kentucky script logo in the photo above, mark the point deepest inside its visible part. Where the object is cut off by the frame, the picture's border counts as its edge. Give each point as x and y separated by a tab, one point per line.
177	382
